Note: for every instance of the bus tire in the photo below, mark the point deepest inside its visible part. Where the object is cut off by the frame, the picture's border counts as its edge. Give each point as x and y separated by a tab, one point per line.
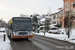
10	36
7	34
26	38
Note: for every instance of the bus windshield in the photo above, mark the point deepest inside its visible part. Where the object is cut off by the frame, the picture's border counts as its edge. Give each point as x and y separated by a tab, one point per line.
22	25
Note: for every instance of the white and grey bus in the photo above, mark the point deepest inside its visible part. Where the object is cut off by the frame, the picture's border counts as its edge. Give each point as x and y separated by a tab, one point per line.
20	27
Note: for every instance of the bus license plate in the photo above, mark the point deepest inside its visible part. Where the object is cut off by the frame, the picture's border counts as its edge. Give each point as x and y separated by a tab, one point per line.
23	35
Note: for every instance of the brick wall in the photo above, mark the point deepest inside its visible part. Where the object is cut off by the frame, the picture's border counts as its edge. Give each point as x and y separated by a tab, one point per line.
69	8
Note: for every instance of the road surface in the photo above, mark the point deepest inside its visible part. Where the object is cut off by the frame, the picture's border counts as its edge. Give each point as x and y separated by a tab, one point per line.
40	43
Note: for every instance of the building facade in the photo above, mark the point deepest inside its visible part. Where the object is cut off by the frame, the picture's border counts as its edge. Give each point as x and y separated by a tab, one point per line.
69	7
61	18
3	23
57	17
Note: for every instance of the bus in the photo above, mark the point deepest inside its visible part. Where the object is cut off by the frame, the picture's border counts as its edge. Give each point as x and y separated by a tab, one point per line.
20	27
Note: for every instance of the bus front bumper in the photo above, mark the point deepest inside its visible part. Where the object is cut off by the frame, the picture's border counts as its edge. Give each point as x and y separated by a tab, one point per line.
29	36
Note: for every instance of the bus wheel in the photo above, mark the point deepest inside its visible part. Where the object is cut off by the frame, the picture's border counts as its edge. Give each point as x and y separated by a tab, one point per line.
10	35
26	38
7	35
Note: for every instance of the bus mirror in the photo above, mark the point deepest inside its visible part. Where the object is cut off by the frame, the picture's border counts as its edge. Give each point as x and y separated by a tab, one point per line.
10	20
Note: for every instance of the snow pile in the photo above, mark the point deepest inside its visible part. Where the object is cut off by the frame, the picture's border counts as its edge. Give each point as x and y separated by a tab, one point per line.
57	36
4	45
42	19
60	36
72	36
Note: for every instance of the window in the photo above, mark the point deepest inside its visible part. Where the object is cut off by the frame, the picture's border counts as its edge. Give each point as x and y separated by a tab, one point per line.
57	15
57	22
54	17
71	5
61	23
54	22
66	6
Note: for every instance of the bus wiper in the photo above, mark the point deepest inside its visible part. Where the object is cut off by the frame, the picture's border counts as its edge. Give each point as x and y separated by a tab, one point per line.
28	30
23	30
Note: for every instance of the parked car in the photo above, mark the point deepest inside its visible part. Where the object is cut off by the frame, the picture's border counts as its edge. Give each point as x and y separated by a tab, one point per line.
61	31
2	31
41	28
53	30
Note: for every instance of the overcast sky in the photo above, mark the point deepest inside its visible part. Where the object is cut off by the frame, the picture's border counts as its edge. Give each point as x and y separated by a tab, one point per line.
12	8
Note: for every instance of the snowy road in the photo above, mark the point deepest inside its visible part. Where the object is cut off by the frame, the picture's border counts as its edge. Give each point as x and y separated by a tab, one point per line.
41	43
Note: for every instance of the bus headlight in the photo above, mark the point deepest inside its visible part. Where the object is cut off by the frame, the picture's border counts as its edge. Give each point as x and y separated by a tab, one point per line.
31	34
14	34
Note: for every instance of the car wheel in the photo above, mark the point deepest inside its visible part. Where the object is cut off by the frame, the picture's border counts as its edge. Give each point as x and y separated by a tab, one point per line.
54	32
50	32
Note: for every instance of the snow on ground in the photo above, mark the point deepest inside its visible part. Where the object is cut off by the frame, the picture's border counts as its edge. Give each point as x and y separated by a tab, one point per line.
4	45
60	36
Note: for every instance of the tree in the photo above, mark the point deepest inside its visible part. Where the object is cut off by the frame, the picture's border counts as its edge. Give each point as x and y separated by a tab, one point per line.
22	15
35	19
31	15
47	23
58	25
68	22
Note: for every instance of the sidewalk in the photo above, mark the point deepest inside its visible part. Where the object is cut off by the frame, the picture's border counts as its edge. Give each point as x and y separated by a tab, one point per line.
4	45
57	36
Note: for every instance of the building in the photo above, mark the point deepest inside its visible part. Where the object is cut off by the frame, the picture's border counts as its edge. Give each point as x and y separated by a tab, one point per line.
2	23
60	14
68	7
56	16
42	21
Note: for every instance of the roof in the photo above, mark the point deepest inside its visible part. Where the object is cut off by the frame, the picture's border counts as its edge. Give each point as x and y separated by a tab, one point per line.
42	19
39	16
21	17
42	26
57	11
48	16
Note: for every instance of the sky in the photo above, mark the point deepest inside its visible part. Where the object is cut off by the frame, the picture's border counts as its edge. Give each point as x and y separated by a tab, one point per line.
13	8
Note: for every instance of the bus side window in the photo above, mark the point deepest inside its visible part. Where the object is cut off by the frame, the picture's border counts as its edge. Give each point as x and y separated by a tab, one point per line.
10	26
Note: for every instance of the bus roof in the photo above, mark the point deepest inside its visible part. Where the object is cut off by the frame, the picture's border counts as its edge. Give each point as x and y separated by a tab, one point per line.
20	17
